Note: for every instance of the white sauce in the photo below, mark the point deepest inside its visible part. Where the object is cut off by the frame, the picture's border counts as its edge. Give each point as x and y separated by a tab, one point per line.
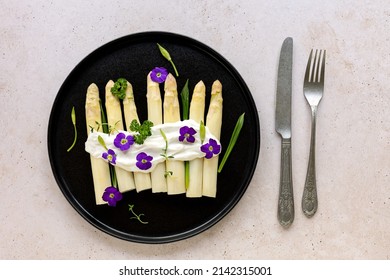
154	145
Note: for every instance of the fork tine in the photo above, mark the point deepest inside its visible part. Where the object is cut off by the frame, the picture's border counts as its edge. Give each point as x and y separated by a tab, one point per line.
316	67
308	67
322	77
320	67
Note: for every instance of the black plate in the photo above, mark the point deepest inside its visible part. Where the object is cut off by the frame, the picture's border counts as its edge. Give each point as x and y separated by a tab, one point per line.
170	218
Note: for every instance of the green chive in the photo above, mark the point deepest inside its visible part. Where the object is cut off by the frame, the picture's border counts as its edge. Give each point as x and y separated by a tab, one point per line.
114	180
187	174
185	101
233	140
167	56
73	117
104	120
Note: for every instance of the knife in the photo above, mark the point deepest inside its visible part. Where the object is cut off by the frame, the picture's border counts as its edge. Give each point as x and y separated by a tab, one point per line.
283	127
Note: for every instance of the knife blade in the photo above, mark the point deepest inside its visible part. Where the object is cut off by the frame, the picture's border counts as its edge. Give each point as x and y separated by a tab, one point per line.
283	127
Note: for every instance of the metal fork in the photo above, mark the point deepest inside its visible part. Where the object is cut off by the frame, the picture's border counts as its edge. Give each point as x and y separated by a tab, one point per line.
313	88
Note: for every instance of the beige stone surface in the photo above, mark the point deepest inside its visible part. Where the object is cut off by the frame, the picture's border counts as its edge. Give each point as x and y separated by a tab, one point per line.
41	42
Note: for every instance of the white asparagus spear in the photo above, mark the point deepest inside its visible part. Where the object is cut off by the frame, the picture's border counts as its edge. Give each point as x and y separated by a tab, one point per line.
141	180
214	123
100	169
175	180
153	96
197	108
114	118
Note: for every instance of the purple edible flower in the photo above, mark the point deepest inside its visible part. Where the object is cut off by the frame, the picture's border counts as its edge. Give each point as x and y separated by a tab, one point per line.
123	142
144	161
159	74
211	148
110	156
111	195
187	134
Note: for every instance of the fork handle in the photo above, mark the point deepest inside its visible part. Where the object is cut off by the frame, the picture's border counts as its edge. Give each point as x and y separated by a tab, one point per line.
286	197
309	198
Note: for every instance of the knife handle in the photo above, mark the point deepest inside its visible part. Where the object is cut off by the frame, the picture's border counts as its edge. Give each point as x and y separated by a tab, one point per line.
286	196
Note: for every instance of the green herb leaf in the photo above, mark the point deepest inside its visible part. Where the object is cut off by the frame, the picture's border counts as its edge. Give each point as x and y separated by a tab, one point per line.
119	88
134	125
73	117
185	100
138	139
167	56
144	130
233	140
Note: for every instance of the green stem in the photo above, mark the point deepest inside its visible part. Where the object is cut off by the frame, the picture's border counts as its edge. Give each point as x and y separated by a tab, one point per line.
174	68
74	140
138	217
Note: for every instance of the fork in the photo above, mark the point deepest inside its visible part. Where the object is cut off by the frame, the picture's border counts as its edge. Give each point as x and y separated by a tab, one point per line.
313	88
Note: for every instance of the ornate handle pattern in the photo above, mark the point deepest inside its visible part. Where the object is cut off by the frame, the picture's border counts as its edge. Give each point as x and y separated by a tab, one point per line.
309	198
286	196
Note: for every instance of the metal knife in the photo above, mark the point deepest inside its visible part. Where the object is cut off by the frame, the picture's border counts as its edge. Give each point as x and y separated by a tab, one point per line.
283	127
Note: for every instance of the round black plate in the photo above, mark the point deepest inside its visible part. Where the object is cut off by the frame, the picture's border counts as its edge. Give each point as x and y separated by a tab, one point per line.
174	217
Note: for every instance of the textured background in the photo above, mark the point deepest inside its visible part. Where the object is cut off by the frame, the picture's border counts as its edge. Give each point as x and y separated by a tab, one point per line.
42	41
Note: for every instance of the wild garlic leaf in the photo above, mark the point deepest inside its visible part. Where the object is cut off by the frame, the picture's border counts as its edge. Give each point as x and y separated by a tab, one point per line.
185	100
233	140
